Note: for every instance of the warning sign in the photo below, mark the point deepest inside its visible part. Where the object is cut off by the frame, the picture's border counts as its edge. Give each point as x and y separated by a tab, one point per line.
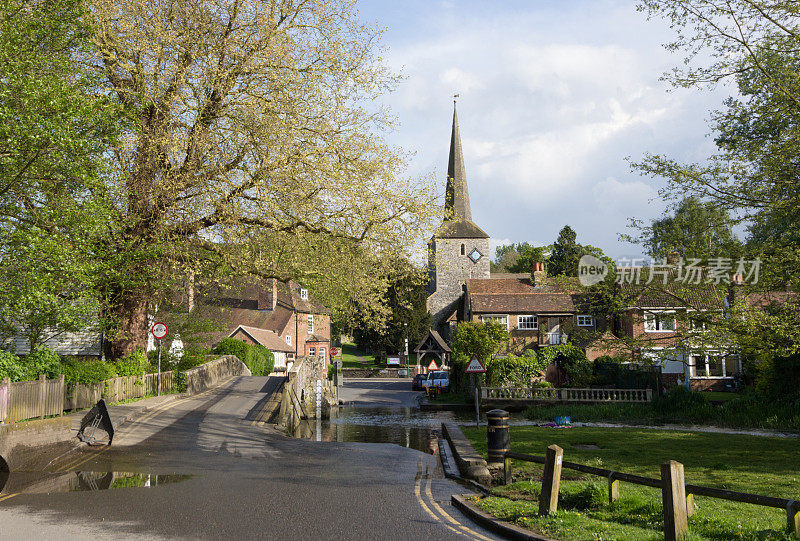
432	366
475	367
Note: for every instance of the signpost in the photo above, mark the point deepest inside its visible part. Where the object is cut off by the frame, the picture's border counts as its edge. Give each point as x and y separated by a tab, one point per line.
334	352
159	332
476	367
432	366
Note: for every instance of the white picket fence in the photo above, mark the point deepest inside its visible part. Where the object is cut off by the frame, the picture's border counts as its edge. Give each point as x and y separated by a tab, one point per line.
39	398
566	394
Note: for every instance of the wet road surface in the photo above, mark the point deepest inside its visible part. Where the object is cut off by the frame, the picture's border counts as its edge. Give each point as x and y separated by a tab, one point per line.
237	479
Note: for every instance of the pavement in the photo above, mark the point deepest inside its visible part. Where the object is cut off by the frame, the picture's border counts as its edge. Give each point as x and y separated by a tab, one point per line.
199	467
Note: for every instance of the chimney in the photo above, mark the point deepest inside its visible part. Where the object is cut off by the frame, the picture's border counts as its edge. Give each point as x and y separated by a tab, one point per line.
538	275
268	295
673	258
737	280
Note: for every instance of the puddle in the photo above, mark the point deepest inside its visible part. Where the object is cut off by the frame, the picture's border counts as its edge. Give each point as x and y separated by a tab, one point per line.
82	481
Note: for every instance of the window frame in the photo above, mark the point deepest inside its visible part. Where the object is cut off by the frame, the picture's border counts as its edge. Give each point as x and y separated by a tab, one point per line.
578	320
494	316
304	294
288	339
310	323
657	319
312	351
534	322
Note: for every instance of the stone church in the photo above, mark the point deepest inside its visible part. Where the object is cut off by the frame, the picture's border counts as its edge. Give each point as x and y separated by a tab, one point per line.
459	250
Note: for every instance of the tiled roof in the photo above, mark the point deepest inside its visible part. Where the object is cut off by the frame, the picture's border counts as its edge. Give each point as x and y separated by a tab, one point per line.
317	338
514	293
674	294
464	229
437	339
266	338
763	300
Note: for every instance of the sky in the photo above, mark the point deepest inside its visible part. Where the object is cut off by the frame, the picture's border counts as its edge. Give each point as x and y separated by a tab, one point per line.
554	96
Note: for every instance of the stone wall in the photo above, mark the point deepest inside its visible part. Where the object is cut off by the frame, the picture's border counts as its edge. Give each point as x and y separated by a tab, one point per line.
212	373
451	270
377	372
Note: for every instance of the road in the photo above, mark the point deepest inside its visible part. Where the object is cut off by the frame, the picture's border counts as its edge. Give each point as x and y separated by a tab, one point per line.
379	392
247	481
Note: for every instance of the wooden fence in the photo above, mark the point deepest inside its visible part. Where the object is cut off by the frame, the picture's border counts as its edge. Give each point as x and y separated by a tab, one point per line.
677	496
566	395
37	399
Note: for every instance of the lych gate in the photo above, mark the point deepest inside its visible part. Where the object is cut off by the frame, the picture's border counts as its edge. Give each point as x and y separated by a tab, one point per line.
433	344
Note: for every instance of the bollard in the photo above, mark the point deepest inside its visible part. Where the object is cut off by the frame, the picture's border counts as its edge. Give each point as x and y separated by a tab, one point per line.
497	436
613	489
673	495
551	480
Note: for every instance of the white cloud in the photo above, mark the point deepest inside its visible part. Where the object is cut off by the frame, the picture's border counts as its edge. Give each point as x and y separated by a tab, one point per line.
554	96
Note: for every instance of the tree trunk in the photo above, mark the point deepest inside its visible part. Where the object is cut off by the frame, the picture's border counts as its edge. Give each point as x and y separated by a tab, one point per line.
130	332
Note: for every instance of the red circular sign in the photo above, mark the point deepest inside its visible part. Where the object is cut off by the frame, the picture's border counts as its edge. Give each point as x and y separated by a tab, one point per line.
159	330
334	352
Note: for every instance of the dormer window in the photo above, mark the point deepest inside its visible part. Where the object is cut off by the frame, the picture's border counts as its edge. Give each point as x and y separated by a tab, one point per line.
304	294
288	339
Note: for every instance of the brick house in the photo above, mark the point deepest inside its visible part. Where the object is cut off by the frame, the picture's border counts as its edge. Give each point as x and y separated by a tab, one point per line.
284	317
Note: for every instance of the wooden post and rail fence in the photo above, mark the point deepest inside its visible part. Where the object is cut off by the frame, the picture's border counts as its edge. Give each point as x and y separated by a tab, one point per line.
677	496
40	398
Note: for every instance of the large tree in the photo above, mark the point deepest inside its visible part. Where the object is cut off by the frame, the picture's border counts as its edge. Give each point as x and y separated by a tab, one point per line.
694	230
54	130
249	142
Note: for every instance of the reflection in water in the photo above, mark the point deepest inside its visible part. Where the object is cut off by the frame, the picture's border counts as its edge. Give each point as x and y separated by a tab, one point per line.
38	482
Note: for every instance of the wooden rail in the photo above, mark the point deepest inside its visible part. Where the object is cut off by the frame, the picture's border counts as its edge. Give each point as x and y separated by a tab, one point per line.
792	507
566	394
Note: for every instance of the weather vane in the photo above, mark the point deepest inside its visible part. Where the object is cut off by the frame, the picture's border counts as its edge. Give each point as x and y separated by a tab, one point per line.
455	97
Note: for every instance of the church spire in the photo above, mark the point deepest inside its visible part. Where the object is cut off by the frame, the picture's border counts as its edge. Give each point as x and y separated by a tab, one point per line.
456	199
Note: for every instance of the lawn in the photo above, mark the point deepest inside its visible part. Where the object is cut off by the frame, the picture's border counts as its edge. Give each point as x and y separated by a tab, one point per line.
759	465
352	357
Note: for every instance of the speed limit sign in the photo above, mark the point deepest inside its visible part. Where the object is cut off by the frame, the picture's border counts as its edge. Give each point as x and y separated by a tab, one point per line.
159	330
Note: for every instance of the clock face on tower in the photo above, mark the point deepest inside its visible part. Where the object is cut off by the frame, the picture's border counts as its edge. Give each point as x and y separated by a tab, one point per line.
475	255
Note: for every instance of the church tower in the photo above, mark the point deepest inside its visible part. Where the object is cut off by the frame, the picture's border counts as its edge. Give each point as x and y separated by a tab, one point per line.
459	249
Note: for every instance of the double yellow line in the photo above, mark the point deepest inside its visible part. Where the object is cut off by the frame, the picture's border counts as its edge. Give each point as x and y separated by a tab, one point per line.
440	513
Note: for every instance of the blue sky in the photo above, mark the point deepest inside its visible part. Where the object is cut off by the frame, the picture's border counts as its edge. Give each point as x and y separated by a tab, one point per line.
554	96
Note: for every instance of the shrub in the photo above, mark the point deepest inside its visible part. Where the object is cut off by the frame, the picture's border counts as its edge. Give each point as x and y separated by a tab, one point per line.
259	360
10	367
513	370
133	364
87	372
231	346
42	360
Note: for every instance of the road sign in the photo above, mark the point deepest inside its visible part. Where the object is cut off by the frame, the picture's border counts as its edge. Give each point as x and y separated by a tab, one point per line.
475	367
432	366
334	352
159	330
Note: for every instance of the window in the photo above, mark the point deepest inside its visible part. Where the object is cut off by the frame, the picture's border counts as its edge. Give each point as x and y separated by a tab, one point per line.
288	339
713	365
312	351
659	321
585	321
322	352
501	319
310	323
698	325
304	294
463	250
527	323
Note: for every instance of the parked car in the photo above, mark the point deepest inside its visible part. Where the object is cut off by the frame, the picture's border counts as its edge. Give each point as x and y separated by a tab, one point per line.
439	380
418	383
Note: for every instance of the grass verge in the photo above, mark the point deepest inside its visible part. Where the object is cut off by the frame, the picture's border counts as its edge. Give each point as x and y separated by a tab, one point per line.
753	464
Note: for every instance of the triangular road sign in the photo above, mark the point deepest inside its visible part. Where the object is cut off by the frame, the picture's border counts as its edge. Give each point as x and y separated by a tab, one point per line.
475	367
433	366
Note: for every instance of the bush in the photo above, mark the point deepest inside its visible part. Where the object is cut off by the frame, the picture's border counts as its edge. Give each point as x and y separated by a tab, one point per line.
10	367
259	360
87	372
133	364
513	370
231	346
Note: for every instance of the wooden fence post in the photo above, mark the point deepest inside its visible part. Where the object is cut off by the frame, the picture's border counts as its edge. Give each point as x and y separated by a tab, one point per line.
506	470
613	489
551	480
61	387
793	518
42	395
673	495
690	507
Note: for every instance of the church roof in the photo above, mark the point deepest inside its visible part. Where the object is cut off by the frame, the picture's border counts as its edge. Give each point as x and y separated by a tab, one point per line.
458	222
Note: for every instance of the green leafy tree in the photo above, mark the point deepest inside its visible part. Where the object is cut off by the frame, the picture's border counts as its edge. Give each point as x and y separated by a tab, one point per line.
478	339
566	254
694	230
54	130
518	258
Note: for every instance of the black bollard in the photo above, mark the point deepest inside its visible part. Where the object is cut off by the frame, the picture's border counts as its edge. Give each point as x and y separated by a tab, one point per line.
497	437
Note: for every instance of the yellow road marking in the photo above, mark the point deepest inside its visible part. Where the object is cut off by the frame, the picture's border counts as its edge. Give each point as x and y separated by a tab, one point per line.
8	496
427	509
450	517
